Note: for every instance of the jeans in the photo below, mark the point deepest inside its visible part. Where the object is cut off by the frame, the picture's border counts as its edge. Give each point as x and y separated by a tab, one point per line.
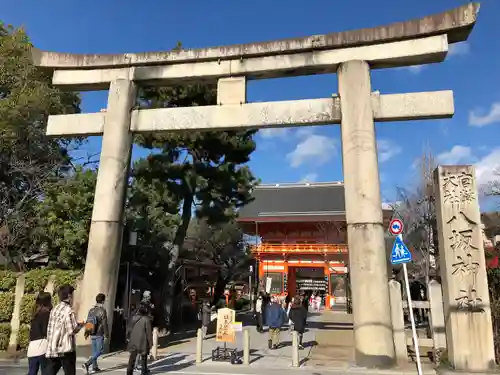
67	361
35	364
97	350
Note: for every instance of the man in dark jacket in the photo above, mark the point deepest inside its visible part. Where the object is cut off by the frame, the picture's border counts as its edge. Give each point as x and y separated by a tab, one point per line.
97	331
275	317
298	316
140	339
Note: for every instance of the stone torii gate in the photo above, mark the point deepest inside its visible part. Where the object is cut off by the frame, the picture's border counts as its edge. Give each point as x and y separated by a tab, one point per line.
352	54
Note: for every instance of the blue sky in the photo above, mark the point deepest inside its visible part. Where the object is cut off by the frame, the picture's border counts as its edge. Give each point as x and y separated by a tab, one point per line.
471	71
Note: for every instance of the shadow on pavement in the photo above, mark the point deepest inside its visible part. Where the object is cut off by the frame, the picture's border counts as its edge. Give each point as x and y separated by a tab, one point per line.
171	363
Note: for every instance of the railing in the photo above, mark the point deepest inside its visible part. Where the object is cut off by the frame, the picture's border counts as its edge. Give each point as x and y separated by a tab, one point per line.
300	248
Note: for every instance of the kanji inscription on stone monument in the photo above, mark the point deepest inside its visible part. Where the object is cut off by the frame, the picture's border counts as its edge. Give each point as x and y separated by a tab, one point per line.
462	268
458	197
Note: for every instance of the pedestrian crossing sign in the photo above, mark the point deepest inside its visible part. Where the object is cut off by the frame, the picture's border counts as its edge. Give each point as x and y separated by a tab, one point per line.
400	253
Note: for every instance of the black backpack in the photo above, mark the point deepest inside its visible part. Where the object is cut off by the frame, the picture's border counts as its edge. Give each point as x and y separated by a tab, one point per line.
92	322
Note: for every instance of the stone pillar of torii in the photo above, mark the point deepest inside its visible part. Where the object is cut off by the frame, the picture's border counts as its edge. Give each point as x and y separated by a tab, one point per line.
352	54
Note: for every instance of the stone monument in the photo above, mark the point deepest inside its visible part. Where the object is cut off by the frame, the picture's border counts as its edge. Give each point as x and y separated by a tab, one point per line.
353	54
469	334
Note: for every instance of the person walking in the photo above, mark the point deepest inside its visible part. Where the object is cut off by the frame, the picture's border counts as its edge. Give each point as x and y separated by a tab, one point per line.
298	315
146	303
97	329
206	314
37	347
258	314
61	331
275	318
140	340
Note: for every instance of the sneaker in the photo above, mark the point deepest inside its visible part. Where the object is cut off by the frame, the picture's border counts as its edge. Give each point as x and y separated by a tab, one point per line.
96	370
85	368
301	347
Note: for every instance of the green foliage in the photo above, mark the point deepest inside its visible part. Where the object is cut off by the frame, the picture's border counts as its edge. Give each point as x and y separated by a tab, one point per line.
8	281
6	306
23	336
64	218
204	172
200	172
28	158
27	308
4	335
35	281
65	277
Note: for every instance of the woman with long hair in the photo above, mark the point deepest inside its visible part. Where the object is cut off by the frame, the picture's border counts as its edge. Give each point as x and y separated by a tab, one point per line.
38	334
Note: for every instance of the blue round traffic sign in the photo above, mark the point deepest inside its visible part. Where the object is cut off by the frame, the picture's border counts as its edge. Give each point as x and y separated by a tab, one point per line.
396	227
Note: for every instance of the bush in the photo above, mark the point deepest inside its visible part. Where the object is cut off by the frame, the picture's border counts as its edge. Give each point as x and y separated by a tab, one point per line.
6	306
7	281
23	336
27	307
4	335
36	280
65	277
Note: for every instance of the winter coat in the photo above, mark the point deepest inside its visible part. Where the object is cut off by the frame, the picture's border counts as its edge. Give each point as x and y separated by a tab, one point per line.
275	315
140	335
206	313
298	315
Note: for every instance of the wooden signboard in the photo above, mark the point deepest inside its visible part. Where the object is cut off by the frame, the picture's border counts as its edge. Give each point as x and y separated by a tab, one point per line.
225	329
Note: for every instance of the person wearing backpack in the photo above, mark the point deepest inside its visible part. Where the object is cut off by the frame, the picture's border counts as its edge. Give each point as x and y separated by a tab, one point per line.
96	328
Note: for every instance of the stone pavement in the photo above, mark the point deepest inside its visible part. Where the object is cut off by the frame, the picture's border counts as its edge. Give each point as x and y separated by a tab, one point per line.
328	342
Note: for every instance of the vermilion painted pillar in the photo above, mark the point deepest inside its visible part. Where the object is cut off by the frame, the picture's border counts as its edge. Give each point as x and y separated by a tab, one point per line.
326	272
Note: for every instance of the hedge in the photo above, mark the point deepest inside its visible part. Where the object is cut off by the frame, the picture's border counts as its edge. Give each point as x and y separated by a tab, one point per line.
6	306
27	308
7	281
36	280
4	335
24	336
65	277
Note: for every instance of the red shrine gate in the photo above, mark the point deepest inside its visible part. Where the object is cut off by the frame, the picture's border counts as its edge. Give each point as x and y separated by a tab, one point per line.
303	238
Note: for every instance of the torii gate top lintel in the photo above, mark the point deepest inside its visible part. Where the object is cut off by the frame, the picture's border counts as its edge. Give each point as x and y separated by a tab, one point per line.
456	24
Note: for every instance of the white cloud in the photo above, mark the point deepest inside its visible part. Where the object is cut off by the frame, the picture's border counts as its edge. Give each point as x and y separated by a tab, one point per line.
455	155
488	167
415	69
458	49
311	177
493	116
387	150
313	149
274	133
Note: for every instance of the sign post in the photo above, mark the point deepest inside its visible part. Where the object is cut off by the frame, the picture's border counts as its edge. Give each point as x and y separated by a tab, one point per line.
401	255
250	285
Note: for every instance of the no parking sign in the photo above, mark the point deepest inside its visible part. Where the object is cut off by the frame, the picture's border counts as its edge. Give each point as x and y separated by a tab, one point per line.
396	227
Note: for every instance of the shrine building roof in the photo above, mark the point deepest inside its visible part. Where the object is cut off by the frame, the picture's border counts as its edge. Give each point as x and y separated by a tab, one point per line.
299	200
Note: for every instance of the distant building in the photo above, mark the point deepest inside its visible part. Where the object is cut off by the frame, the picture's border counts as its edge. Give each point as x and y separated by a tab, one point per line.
302	238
